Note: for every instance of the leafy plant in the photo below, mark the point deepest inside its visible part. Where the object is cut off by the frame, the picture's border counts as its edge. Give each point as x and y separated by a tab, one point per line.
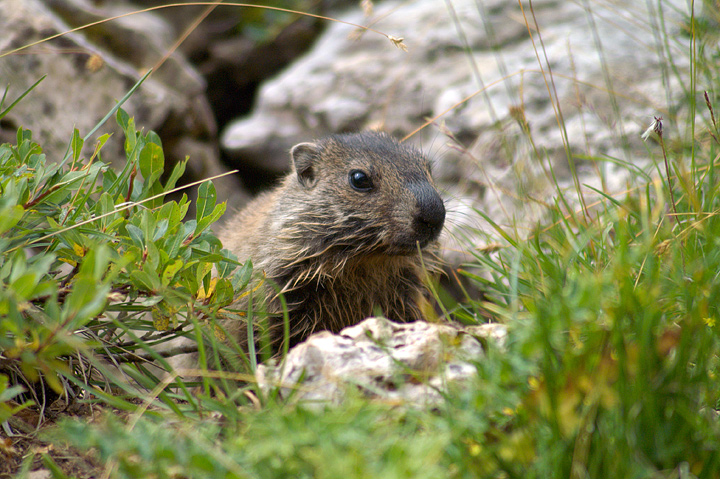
92	259
610	368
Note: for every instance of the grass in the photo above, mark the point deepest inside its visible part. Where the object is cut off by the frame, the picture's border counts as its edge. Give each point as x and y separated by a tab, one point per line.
610	369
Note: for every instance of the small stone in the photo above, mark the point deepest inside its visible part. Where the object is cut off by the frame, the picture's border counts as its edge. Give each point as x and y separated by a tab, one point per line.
383	359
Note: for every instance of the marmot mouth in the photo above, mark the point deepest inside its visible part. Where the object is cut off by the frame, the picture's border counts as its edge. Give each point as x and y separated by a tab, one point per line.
423	234
407	248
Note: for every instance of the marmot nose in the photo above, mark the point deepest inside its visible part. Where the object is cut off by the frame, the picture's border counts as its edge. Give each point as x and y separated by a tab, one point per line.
430	215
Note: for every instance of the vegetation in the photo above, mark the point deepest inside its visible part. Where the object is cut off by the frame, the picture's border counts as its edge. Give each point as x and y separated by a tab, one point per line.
611	367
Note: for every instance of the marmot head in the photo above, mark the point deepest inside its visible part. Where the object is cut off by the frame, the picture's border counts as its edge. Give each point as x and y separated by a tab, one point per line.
364	194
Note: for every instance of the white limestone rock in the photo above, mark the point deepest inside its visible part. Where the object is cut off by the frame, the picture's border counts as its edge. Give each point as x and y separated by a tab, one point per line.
410	362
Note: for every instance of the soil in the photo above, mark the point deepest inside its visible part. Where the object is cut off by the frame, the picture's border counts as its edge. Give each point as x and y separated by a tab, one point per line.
29	443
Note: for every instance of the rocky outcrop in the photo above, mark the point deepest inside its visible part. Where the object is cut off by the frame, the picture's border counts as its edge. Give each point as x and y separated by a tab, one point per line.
90	70
517	94
414	363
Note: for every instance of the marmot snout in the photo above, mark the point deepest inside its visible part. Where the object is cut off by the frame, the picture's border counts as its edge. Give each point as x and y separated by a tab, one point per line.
341	235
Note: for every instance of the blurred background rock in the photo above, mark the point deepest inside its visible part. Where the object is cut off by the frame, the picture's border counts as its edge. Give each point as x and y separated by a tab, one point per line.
247	83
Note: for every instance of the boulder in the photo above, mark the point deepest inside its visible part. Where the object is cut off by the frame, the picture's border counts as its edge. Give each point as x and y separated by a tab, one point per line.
412	362
508	91
90	70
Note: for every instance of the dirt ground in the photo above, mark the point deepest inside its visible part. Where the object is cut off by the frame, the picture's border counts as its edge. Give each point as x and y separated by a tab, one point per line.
30	444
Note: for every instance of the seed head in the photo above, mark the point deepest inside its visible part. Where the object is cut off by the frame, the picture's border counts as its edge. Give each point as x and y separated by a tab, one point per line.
655	127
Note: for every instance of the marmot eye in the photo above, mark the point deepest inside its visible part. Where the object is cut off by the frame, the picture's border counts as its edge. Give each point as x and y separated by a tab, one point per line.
360	181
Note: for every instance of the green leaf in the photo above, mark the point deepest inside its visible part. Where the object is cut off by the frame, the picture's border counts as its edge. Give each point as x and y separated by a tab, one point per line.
160	229
152	162
204	275
80	201
189	228
76	144
171	270
86	300
206	200
136	235
173	244
242	277
153	191
123	119
147	223
167	212
153	137
226	267
205	222
161	321
109	179
131	141
153	255
10	216
224	293
96	261
101	142
104	205
176	174
44	288
24	286
145	280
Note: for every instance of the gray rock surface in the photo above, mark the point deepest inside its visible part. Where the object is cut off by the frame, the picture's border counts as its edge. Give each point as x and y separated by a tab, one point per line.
608	80
413	362
88	71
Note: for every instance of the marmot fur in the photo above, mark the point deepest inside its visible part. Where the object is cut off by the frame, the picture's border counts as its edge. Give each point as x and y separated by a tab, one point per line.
341	236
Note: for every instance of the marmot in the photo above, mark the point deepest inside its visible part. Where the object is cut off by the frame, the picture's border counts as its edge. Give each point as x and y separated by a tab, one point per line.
341	236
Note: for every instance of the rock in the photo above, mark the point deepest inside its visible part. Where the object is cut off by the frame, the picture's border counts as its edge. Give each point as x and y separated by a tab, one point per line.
235	48
495	149
40	474
88	71
412	362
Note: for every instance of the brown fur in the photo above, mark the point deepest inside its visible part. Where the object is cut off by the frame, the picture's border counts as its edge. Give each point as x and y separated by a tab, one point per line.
337	254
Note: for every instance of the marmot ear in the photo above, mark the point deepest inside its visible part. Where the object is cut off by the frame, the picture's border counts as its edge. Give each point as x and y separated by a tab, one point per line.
304	157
